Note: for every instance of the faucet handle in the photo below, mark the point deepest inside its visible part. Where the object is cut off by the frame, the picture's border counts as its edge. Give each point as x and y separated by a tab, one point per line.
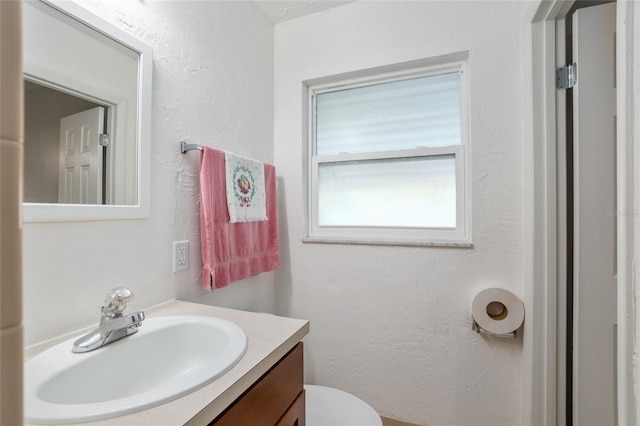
116	301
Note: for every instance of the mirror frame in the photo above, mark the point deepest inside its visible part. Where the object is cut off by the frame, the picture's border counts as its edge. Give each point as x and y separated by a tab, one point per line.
50	212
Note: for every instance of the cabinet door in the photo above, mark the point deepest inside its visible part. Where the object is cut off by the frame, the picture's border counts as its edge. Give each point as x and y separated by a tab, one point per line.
295	415
265	403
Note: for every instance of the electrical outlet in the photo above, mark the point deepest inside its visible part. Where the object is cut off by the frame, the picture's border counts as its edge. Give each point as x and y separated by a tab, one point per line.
180	256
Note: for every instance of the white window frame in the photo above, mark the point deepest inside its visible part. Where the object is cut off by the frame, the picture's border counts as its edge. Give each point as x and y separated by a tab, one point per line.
458	236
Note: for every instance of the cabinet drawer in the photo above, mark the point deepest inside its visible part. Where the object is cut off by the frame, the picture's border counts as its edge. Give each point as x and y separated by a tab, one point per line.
264	403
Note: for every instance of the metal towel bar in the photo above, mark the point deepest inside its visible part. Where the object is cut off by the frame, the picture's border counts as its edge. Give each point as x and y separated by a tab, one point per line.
184	147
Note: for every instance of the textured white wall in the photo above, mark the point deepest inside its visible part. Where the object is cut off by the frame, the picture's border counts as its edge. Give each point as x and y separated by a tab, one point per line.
392	324
213	84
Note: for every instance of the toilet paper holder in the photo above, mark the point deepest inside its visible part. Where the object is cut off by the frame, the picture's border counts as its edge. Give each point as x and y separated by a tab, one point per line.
497	312
476	327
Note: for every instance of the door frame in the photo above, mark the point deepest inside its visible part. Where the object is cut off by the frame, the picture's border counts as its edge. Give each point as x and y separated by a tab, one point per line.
545	209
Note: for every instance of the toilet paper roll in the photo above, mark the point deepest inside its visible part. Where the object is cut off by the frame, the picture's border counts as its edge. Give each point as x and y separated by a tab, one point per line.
497	310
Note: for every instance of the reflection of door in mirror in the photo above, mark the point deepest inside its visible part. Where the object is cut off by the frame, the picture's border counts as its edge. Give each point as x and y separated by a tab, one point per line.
49	171
80	180
69	67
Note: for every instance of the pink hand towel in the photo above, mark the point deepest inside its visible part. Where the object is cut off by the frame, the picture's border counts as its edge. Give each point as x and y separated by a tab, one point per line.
233	251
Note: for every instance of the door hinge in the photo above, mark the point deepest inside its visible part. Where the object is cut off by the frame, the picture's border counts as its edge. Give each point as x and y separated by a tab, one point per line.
567	76
103	139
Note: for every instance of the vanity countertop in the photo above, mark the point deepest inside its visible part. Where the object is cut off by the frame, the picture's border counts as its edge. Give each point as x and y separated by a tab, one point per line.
269	338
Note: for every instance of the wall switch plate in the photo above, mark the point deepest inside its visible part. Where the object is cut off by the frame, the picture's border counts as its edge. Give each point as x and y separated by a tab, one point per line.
180	256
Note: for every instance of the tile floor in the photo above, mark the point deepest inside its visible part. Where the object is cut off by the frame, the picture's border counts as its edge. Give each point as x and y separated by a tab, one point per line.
393	422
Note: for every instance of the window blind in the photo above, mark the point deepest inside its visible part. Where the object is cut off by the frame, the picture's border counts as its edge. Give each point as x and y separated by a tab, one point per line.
418	112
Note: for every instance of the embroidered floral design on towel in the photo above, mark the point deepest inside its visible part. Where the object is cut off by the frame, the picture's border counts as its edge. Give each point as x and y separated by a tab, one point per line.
245	189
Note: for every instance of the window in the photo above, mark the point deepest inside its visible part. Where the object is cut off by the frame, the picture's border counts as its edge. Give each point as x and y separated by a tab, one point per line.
387	159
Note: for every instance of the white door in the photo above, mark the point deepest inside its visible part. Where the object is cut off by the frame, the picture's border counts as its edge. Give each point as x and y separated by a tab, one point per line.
80	176
594	298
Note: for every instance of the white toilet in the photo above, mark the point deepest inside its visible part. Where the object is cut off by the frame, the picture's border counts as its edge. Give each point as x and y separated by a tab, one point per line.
332	407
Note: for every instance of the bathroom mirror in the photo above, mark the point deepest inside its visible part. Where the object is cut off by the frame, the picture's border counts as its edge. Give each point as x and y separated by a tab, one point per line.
87	116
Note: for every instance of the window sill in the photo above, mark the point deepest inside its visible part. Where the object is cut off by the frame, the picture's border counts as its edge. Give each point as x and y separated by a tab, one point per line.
431	243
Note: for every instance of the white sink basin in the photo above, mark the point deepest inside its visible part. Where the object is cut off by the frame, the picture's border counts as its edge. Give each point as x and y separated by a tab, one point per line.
167	358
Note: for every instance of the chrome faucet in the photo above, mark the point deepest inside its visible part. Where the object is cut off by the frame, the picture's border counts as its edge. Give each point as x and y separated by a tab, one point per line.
114	325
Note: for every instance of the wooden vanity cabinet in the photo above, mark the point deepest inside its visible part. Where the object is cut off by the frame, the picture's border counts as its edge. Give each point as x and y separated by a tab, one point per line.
276	399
